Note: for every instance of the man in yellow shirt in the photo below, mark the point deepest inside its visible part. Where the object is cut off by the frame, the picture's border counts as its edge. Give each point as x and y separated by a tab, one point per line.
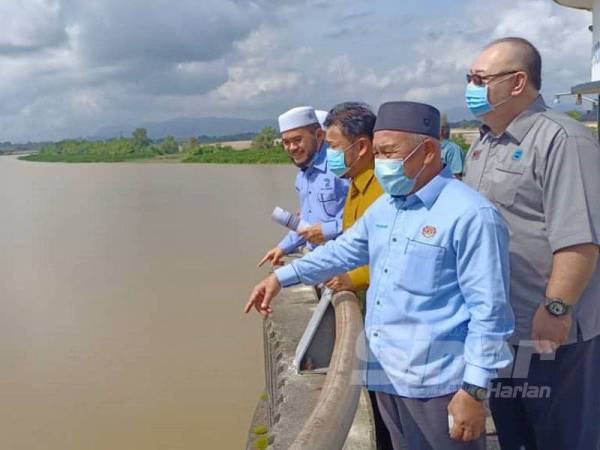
350	138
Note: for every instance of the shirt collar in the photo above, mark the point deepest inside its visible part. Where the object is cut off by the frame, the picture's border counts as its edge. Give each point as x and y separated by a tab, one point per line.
429	193
363	180
521	124
321	158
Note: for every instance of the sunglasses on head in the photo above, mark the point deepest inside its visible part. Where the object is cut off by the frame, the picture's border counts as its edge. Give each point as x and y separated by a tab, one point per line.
481	80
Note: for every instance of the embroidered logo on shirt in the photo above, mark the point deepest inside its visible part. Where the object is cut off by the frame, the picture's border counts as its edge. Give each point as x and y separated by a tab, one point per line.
476	154
428	231
327	182
517	155
381	226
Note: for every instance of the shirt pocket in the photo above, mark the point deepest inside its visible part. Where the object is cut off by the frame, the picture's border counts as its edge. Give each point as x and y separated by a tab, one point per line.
420	268
507	179
329	203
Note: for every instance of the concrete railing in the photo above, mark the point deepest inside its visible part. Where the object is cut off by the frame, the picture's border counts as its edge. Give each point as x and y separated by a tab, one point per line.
331	419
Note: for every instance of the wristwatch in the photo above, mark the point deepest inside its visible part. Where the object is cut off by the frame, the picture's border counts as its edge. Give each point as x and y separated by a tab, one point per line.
557	307
477	392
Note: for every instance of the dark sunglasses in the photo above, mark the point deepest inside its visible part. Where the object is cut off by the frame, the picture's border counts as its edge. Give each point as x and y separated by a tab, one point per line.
480	80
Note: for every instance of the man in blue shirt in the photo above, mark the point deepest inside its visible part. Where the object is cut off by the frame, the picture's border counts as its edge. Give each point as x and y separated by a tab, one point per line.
438	315
452	155
321	194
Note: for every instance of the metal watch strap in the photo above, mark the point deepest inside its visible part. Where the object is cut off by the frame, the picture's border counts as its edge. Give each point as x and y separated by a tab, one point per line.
477	392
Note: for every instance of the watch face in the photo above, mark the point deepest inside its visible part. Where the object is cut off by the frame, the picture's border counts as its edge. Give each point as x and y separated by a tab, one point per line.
556	308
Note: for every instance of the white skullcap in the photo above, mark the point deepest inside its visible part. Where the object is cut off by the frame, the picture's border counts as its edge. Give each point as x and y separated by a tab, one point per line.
301	116
321	117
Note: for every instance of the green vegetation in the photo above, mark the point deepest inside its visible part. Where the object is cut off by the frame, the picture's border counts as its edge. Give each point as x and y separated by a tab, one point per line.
227	155
261	430
574	114
86	151
140	138
205	139
264	150
169	146
265	139
139	146
459	138
261	443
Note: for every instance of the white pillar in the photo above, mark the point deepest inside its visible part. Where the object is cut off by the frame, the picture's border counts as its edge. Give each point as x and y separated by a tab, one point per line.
596	42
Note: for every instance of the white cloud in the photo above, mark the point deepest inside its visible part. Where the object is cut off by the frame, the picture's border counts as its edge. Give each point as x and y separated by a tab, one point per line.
29	25
70	67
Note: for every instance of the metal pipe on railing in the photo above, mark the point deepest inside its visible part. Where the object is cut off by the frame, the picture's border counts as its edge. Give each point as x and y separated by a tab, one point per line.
330	421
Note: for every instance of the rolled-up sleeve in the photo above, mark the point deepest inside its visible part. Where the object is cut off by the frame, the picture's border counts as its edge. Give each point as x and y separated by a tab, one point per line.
483	275
571	192
347	252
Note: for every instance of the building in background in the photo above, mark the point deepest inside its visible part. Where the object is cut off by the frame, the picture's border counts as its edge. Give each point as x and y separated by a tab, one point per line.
592	87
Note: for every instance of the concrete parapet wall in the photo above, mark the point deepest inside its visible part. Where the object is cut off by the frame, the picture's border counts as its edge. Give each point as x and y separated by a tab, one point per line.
311	410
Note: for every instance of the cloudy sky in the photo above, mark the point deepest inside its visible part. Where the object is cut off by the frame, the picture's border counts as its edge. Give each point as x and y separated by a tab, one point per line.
70	67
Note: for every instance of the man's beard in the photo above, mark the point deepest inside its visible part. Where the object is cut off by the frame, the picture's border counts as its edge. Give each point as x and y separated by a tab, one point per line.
309	159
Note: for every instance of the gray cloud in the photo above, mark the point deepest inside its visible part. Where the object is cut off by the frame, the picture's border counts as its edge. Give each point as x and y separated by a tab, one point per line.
162	31
70	67
31	26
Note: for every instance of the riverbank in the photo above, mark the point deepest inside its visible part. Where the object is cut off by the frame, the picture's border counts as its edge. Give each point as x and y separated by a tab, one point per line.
141	149
207	154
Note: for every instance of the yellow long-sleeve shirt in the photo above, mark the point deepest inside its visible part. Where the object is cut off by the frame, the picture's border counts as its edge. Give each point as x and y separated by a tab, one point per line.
364	190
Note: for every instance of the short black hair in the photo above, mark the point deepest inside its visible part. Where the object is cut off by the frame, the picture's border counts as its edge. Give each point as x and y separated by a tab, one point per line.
354	119
530	58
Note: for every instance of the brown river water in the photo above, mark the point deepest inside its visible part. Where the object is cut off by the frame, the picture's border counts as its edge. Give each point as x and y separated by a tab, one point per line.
121	295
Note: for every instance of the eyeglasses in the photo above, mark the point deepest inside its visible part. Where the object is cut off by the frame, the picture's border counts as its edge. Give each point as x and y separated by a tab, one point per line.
480	80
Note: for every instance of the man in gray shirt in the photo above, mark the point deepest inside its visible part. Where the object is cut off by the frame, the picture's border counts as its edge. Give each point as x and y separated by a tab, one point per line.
542	170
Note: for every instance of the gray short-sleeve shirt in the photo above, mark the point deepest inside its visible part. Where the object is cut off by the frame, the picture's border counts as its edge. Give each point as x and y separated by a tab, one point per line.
543	174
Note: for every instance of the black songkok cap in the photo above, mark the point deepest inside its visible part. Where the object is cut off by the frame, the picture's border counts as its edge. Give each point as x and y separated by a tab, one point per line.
409	117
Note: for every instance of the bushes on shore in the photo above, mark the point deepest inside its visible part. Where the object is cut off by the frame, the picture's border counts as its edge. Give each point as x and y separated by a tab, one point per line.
139	146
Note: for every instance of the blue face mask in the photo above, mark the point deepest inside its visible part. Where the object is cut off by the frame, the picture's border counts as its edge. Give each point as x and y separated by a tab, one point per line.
336	162
477	98
390	174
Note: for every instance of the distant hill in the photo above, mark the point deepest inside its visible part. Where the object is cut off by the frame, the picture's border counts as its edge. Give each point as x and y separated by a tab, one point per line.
187	127
8	147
